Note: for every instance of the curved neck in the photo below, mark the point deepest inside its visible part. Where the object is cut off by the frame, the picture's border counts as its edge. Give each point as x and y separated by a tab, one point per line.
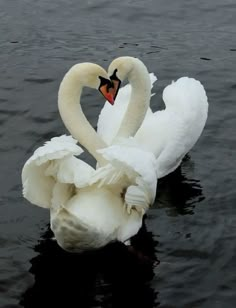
73	117
139	102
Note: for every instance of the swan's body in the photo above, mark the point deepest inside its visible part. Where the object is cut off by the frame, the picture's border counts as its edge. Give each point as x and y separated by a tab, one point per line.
88	207
168	134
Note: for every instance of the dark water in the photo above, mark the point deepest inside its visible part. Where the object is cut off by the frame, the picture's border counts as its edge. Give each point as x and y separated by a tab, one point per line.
192	227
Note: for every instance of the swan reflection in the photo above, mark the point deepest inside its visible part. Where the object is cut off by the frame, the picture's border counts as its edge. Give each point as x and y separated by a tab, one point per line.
110	277
178	192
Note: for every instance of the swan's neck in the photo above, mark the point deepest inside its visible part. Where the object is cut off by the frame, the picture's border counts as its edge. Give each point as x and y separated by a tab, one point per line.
73	117
139	101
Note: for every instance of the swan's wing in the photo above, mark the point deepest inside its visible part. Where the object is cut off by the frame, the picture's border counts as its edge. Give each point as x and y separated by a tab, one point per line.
171	133
111	116
186	96
134	164
56	148
54	162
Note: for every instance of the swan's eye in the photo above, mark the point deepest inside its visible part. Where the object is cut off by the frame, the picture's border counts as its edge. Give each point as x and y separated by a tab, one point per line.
106	88
116	83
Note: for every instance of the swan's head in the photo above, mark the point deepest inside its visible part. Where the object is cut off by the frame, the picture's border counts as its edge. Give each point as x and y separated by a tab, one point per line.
119	70
94	76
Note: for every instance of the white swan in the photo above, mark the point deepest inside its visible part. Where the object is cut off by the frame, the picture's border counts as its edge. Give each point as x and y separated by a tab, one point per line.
89	207
168	134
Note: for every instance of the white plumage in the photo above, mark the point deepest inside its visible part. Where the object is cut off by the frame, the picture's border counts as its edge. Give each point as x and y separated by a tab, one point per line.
168	134
91	207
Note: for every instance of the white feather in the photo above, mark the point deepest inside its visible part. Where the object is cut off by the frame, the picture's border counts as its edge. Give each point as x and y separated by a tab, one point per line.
38	178
170	134
88	208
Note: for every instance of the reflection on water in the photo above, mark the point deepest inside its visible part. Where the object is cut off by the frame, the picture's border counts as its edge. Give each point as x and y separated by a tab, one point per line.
178	193
110	277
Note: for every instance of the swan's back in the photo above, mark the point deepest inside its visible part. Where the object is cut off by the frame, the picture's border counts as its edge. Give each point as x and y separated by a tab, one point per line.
171	133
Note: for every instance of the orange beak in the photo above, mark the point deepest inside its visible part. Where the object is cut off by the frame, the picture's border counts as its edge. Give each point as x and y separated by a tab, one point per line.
115	88
107	91
115	84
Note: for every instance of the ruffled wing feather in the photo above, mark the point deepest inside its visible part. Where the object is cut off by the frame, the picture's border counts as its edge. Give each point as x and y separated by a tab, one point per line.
135	165
51	163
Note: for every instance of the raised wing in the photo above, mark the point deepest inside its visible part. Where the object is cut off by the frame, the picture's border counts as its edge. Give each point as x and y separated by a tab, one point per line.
132	167
169	134
54	162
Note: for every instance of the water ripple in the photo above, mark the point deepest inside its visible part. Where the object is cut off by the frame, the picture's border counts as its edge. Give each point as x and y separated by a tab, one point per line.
39	80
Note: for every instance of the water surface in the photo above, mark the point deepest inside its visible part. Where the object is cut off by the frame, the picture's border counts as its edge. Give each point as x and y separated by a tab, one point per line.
192	226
